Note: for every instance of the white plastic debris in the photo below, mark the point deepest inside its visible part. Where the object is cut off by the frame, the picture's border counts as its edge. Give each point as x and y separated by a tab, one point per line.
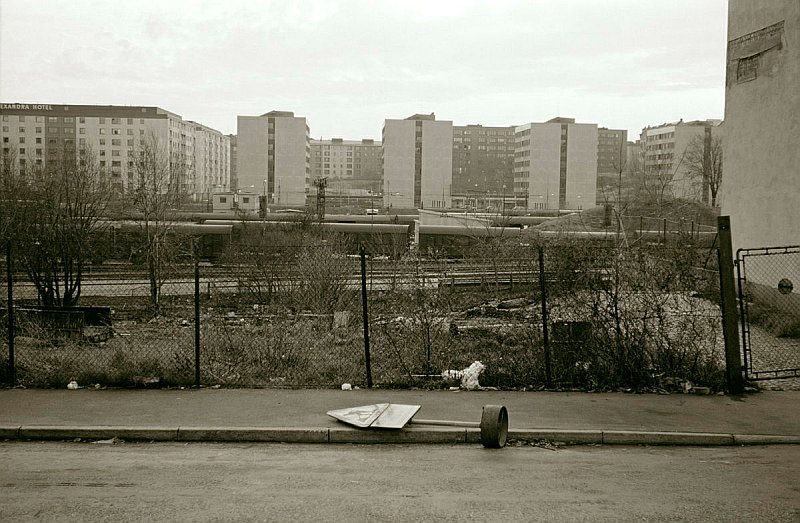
347	386
72	385
469	378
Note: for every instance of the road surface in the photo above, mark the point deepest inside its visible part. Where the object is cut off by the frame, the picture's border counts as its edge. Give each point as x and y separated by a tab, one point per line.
276	482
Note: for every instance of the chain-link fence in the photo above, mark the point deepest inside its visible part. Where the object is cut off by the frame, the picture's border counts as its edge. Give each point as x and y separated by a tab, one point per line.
770	311
281	312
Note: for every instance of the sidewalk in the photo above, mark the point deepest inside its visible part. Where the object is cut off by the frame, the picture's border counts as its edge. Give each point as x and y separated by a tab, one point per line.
300	416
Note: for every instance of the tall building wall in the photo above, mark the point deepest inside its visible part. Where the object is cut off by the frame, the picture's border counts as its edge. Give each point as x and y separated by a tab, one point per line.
581	180
761	182
437	164
556	165
417	162
251	154
292	158
612	154
399	163
212	162
483	160
273	157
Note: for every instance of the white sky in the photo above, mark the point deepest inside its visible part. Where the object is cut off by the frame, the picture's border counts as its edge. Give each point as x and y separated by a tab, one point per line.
347	65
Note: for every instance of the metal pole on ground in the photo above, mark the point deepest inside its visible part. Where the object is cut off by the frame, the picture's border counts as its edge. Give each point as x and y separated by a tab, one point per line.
730	313
365	314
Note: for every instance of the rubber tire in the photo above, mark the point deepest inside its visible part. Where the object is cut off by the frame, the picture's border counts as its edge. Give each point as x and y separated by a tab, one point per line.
494	426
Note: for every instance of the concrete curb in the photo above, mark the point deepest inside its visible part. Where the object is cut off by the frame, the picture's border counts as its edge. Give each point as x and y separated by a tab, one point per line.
430	435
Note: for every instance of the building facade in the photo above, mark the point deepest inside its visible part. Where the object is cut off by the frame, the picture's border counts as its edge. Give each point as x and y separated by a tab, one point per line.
273	157
483	163
664	157
211	162
555	165
612	151
761	184
352	167
417	162
232	162
36	133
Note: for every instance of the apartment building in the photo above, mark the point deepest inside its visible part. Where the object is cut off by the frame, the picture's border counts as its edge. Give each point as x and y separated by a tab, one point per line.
483	163
211	162
664	158
555	165
417	162
36	133
273	157
352	167
232	162
761	185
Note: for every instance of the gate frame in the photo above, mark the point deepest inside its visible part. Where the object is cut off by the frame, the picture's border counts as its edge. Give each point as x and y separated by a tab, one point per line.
741	281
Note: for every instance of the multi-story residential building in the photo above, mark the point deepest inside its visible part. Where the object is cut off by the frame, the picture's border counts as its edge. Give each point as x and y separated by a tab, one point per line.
37	133
611	151
664	157
273	157
352	167
555	165
232	162
611	160
211	162
483	162
761	186
417	162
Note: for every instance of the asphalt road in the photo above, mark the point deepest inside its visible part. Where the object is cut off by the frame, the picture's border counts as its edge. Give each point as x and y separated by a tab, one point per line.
276	482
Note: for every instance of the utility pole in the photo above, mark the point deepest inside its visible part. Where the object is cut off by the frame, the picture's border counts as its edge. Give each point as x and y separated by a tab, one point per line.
320	184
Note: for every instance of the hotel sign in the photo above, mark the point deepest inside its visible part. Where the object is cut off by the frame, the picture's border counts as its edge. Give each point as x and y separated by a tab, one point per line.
26	107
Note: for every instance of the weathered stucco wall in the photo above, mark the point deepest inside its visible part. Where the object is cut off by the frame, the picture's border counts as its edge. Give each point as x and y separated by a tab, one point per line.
761	182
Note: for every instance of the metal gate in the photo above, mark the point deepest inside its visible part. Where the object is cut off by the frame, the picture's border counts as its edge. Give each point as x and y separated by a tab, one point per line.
770	311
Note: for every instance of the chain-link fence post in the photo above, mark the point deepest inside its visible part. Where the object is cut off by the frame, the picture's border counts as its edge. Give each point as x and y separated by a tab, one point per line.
730	324
197	322
365	314
545	337
10	283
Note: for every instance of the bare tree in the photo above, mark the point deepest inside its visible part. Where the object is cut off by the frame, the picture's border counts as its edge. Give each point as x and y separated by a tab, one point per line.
53	212
10	186
156	195
703	161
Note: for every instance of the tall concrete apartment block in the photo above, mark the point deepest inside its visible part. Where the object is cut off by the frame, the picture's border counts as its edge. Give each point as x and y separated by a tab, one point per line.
483	160
612	154
417	162
351	166
37	133
211	162
273	157
555	164
232	161
760	188
664	151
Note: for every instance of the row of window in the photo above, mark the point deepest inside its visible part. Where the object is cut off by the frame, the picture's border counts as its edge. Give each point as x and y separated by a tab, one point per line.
70	119
485	132
71	130
661	136
660	146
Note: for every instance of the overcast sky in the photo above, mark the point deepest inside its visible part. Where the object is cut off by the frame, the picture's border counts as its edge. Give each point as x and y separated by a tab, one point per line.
347	65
